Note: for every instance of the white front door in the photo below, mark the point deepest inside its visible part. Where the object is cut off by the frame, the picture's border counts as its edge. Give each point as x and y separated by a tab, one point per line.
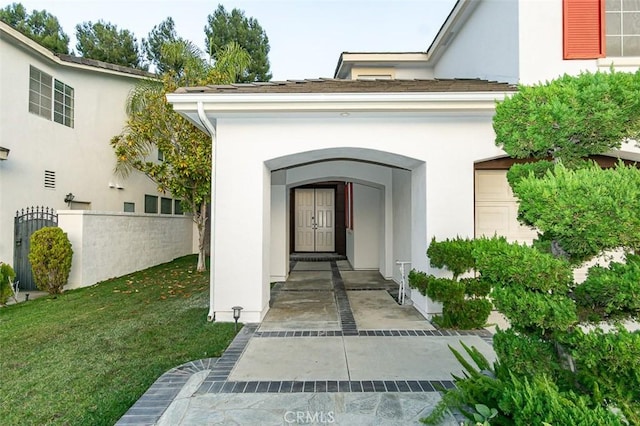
314	219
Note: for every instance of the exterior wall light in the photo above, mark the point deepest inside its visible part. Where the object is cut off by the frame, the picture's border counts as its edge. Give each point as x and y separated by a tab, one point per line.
4	153
236	314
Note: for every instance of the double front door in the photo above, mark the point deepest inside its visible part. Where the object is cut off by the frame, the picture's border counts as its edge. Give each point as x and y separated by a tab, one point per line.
315	219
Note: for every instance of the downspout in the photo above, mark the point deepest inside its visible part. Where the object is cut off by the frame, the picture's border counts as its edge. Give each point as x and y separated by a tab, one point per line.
212	132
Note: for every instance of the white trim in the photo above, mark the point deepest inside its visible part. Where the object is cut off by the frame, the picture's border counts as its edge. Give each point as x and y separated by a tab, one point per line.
316	102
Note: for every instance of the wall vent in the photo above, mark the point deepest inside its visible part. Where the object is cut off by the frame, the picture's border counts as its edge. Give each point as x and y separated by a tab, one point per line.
49	179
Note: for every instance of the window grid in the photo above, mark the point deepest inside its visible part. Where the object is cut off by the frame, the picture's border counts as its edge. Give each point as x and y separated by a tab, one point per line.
40	93
622	28
63	104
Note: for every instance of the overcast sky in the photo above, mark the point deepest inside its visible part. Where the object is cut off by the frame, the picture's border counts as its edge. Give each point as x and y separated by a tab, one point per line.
306	36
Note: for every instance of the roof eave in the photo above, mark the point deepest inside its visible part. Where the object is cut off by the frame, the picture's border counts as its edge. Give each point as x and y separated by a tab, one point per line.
223	104
46	54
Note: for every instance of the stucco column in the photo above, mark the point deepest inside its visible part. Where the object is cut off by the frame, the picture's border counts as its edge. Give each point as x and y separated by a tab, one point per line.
242	230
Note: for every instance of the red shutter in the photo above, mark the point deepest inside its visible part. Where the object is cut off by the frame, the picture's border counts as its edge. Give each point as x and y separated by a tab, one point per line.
583	28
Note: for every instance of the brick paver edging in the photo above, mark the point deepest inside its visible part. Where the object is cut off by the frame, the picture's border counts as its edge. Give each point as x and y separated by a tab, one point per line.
150	407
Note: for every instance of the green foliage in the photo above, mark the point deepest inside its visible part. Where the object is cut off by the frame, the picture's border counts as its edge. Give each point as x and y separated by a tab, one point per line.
445	289
153	125
520	266
611	293
84	357
483	414
529	402
50	256
160	35
519	171
607	365
7	274
223	28
476	287
587	211
526	355
533	312
571	117
419	280
454	255
103	41
39	26
464	314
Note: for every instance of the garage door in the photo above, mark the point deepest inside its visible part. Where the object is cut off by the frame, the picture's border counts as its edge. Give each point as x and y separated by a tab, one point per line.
496	209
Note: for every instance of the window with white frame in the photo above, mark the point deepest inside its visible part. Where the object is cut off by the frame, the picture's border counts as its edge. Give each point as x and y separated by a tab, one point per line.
622	27
63	104
47	95
40	93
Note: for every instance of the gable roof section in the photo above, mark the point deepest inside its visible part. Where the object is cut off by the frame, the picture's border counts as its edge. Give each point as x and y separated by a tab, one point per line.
355	86
15	37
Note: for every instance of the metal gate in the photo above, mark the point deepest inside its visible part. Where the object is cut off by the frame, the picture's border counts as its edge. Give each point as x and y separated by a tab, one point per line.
28	221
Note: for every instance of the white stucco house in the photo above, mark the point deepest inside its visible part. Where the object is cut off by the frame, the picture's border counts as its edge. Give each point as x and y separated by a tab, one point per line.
397	148
57	116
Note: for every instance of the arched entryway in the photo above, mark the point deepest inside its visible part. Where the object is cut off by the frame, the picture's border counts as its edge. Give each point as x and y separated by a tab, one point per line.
375	201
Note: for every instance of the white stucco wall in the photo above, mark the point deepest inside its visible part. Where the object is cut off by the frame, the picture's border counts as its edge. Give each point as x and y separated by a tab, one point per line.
367	225
107	244
486	47
81	157
439	149
540	39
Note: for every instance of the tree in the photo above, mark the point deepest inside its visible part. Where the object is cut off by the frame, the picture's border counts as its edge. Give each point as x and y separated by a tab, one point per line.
152	46
555	342
105	42
39	26
223	27
152	124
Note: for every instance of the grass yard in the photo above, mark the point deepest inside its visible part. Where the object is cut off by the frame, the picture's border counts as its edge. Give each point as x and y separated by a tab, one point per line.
86	356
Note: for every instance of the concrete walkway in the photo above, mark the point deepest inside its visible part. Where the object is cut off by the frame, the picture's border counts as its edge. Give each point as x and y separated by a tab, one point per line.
335	348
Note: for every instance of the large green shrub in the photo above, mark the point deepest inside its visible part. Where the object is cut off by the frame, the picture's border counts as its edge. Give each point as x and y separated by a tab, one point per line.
7	275
50	255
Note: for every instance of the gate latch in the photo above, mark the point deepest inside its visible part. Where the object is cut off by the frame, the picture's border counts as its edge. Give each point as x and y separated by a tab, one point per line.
19	242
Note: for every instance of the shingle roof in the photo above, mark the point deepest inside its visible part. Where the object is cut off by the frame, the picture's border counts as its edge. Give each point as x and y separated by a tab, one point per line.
356	86
104	65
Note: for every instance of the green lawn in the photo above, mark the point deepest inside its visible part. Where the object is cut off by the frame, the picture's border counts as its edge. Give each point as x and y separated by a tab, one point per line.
86	356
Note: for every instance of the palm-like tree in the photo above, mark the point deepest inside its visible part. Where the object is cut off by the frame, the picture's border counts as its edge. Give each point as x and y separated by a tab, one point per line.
152	124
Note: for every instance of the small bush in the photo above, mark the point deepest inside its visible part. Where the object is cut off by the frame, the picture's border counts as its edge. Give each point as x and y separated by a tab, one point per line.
445	290
7	275
50	256
454	255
